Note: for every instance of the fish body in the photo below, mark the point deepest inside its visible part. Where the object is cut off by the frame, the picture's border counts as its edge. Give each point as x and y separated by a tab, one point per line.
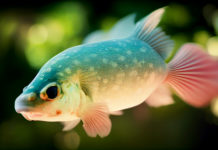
91	81
118	71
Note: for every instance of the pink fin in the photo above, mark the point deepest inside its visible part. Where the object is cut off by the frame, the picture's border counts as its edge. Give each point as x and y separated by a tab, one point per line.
117	113
96	120
160	97
68	125
194	75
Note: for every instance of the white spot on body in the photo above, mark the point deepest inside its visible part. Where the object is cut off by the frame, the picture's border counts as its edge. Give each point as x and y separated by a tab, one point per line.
68	70
75	51
60	74
76	62
91	68
104	60
53	62
31	87
48	69
128	52
114	64
143	49
135	60
121	58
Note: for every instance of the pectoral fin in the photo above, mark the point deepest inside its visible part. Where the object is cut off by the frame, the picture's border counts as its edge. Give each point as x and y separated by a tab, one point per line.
68	125
96	120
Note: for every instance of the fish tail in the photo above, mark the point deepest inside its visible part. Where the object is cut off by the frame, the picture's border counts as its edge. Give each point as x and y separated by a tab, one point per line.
194	75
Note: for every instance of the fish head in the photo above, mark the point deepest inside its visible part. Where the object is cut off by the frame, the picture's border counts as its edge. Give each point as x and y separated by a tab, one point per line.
50	99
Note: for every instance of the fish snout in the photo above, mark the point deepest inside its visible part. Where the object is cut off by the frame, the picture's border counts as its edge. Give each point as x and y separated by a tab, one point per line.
23	103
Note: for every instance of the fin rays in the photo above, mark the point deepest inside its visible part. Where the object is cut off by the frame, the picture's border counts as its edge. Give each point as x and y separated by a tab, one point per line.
194	75
146	31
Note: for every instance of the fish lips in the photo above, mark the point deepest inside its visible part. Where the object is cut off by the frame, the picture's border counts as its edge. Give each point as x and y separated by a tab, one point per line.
25	104
22	103
31	115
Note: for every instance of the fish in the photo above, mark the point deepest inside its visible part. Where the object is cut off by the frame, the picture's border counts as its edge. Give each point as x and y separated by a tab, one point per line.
104	76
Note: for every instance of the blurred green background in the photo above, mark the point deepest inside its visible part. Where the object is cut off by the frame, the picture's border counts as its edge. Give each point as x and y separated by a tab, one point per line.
31	32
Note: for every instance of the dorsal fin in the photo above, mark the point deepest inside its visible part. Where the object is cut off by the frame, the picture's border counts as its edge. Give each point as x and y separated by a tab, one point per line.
146	31
121	29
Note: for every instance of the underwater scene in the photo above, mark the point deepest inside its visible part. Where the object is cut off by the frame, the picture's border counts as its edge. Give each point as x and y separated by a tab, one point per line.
109	75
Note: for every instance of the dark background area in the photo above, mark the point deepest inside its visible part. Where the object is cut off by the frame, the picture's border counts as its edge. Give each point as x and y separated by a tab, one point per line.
178	126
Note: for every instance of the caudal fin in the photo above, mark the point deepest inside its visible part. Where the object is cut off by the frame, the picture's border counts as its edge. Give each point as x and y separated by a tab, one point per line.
194	75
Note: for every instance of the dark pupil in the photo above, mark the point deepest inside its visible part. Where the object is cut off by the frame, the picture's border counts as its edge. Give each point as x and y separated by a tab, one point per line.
52	92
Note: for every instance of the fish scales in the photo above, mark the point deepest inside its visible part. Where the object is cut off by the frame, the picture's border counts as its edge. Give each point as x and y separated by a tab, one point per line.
123	70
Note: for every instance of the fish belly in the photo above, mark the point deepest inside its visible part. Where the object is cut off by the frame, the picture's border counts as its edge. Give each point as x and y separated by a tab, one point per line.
130	91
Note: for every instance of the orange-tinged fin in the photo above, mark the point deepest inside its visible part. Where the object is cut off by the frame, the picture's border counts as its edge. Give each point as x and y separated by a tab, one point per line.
160	97
194	75
96	120
68	125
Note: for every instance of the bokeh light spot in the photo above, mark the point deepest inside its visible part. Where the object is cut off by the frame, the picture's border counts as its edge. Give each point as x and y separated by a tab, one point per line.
55	30
212	46
201	37
67	140
37	34
214	107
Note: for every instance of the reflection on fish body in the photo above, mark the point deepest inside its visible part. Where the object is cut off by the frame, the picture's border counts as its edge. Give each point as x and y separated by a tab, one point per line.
91	81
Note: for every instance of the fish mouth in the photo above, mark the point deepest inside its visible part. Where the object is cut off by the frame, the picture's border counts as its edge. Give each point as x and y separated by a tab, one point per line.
27	108
23	109
31	115
28	113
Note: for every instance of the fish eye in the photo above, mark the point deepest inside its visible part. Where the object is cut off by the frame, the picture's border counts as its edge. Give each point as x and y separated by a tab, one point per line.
50	92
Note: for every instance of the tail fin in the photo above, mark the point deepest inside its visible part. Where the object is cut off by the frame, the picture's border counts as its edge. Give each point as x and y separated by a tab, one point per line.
194	75
146	31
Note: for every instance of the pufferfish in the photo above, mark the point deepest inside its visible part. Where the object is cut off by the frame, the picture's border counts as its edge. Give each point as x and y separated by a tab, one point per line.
91	81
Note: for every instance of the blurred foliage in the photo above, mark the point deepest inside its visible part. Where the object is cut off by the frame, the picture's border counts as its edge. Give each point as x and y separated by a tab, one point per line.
30	34
53	31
